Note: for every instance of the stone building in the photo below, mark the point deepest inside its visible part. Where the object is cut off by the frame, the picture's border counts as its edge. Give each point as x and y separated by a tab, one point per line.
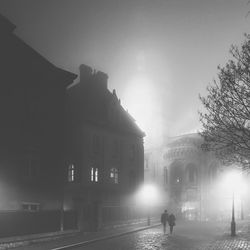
105	153
186	173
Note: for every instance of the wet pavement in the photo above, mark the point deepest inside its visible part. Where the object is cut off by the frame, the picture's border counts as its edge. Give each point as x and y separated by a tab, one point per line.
186	236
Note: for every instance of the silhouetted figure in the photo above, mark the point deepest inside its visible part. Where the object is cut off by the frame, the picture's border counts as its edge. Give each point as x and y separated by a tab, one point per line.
171	222
164	219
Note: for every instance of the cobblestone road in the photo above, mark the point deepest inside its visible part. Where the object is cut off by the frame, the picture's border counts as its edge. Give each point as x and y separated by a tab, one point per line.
185	237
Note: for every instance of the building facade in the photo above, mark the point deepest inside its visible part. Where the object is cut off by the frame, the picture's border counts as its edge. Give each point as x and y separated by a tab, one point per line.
105	152
32	110
186	173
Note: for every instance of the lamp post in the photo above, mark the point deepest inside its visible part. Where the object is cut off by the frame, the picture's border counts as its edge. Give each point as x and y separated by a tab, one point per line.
233	224
234	186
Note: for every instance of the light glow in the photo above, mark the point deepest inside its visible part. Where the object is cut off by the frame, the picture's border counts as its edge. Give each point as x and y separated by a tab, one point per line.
148	195
142	103
233	183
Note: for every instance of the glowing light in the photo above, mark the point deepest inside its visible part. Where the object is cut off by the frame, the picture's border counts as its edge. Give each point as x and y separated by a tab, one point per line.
148	194
234	183
141	101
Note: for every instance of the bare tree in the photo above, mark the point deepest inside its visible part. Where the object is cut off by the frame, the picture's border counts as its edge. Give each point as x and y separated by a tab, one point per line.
226	119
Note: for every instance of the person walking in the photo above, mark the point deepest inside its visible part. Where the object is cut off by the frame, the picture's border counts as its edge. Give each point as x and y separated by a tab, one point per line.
164	219
171	222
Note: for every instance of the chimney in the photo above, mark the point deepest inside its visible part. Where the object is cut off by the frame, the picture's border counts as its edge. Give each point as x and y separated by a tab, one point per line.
102	79
85	73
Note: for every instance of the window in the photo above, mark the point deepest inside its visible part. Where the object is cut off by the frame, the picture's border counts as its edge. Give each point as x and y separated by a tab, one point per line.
165	175
94	174
30	166
71	173
114	175
132	152
96	147
192	175
30	206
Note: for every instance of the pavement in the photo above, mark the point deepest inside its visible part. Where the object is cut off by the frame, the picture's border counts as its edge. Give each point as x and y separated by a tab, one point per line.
215	236
68	239
226	242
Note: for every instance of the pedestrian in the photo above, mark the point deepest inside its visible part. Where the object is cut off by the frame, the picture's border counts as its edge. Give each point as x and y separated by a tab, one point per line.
171	222
164	219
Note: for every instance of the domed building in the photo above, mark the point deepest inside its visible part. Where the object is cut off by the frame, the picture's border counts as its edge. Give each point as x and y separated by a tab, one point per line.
186	173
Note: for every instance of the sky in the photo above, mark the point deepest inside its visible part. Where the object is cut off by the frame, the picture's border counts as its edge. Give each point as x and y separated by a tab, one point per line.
159	54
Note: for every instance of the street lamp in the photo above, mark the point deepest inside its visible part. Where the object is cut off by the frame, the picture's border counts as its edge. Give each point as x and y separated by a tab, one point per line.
234	183
233	224
148	195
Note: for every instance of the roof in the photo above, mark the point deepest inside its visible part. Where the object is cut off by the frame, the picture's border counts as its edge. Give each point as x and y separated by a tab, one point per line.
93	102
23	57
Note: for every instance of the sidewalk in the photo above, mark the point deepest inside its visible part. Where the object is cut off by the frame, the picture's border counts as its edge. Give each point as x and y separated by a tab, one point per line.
57	240
226	242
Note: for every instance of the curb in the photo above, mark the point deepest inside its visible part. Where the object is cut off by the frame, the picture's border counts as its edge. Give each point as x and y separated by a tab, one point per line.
40	236
87	242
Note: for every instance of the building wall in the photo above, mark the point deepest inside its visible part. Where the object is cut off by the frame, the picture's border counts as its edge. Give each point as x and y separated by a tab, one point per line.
186	173
105	147
32	98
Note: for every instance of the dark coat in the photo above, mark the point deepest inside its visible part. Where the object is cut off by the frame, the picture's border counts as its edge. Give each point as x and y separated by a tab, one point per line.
171	220
164	218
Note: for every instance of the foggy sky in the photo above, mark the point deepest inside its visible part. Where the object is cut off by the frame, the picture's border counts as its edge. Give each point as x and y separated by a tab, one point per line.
174	45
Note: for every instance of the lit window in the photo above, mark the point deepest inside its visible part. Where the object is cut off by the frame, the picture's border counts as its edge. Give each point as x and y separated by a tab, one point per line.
71	173
94	175
114	175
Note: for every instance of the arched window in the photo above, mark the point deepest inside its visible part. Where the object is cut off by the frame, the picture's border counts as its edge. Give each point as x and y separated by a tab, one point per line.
71	173
114	175
192	174
165	175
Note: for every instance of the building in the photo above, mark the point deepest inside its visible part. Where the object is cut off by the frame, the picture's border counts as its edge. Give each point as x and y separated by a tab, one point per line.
32	110
186	173
105	153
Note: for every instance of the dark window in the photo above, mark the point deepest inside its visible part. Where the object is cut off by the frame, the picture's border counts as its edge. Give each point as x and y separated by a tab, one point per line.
31	207
96	147
31	166
132	152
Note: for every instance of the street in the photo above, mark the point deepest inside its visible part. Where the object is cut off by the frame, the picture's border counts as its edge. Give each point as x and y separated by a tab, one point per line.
186	236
